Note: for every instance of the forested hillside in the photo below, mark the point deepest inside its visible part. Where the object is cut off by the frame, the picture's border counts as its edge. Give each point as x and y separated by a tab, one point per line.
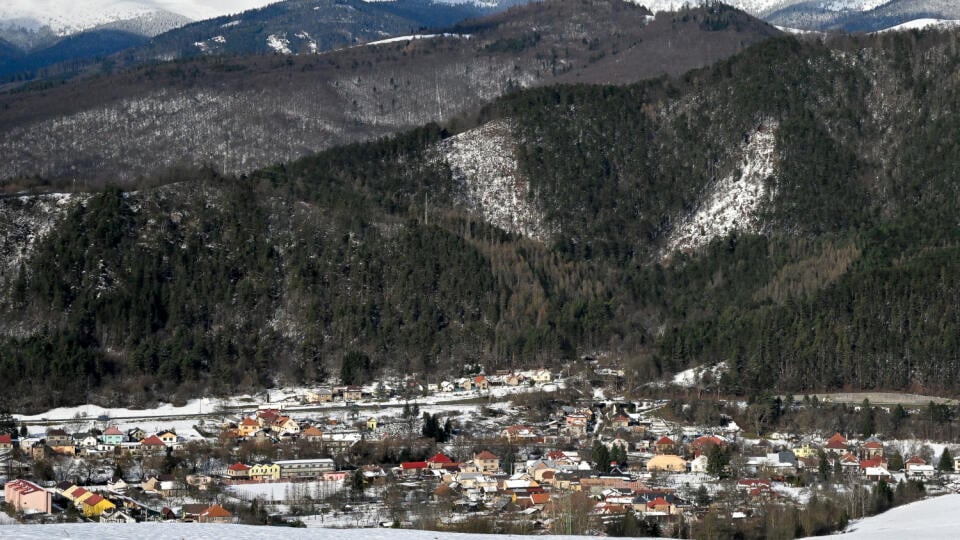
240	113
844	275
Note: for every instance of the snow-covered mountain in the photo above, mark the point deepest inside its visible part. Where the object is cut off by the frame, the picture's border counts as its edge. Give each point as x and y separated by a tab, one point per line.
147	17
836	15
765	7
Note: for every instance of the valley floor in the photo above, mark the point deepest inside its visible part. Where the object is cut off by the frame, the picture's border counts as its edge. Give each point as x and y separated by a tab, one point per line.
933	518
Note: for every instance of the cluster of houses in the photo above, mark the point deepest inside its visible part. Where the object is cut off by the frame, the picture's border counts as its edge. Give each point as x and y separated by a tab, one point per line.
480	382
111	441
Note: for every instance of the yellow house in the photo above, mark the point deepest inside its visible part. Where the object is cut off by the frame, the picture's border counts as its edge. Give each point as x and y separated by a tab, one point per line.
372	423
805	451
169	438
247	427
667	462
95	505
264	472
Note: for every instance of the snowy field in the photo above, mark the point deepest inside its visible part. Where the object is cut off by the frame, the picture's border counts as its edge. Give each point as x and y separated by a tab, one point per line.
930	519
197	531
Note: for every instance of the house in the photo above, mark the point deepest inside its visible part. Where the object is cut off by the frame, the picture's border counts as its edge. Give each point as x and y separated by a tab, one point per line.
264	472
513	379
116	516
837	444
413	468
667	462
465	384
135	434
312	434
921	471
439	461
575	425
285	425
518	433
321	395
168	437
27	497
486	461
481	382
665	445
805	451
6	441
112	436
620	422
304	468
215	514
660	505
702	445
199	481
541	376
699	464
352	393
877	473
94	505
118	485
335	476
372	424
872	449
447	386
238	471
153	445
247	427
754	486
61	443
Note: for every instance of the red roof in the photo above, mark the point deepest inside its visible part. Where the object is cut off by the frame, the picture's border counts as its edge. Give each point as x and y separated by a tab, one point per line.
486	455
24	487
916	460
873	444
113	430
665	440
6	439
216	511
93	500
238	467
249	422
439	458
153	440
837	441
875	462
659	501
540	498
407	465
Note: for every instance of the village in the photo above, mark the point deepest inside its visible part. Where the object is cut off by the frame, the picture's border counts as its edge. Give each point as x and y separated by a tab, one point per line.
511	451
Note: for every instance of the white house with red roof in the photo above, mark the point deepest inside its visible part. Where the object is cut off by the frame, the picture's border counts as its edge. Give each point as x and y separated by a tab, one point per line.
440	461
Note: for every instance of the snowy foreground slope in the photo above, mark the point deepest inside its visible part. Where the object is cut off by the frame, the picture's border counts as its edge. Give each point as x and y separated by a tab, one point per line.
196	531
929	519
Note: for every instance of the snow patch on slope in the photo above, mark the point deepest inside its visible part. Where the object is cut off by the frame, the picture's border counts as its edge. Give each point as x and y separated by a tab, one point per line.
484	164
735	201
689	378
279	43
924	24
25	221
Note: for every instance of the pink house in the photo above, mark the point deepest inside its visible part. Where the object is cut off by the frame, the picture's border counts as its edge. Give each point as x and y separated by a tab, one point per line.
26	496
334	476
